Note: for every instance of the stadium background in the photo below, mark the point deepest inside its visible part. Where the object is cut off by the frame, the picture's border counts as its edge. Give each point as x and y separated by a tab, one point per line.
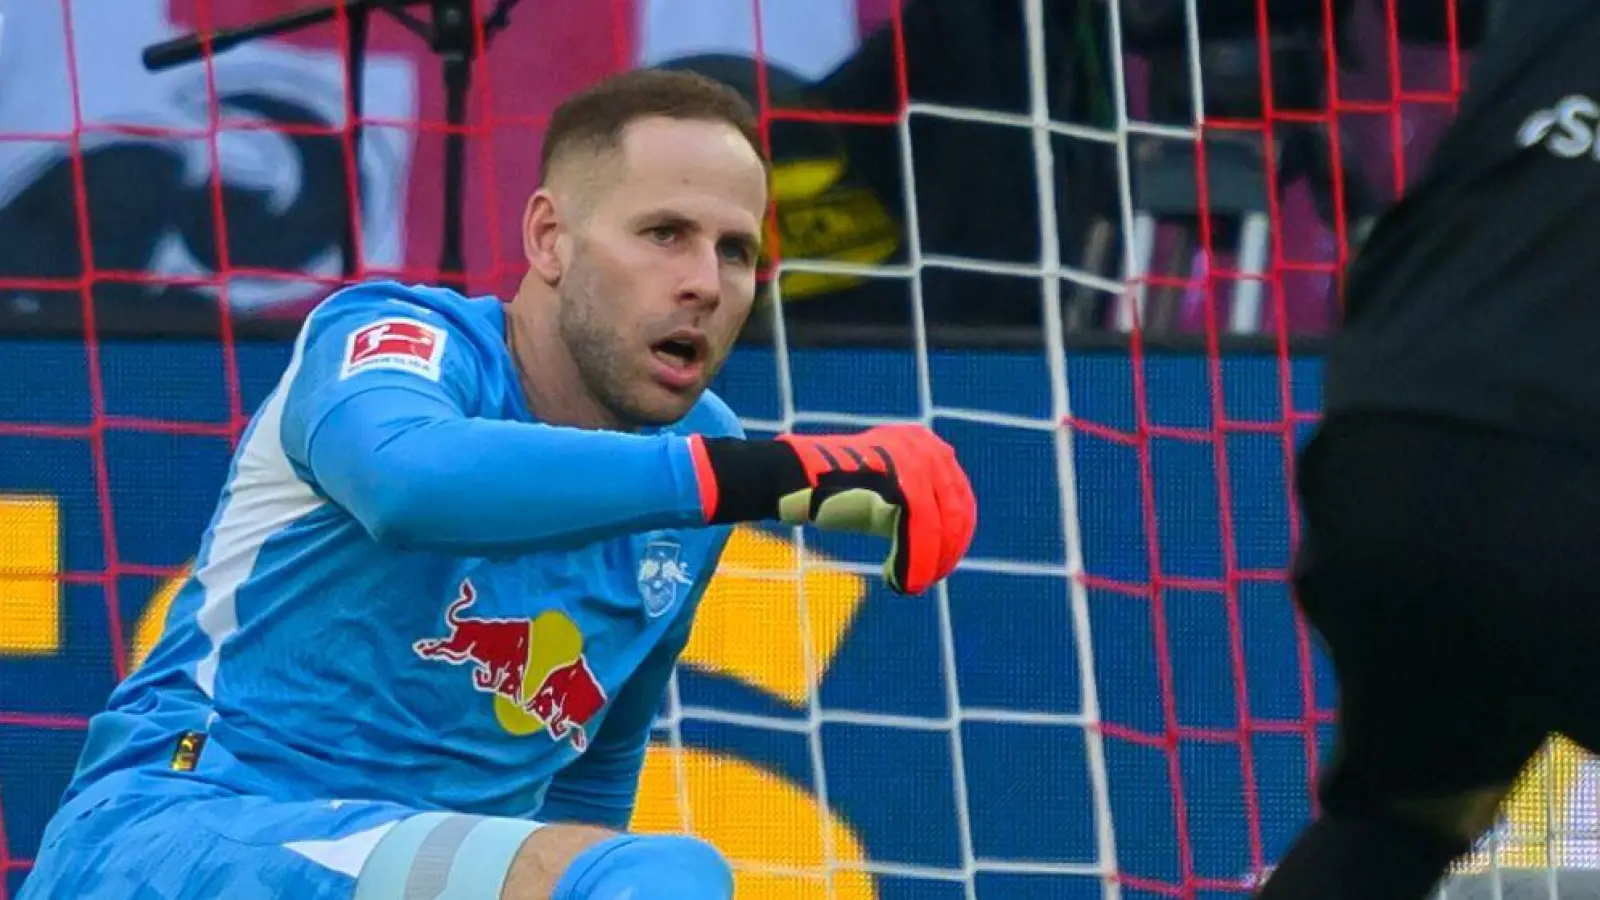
1114	694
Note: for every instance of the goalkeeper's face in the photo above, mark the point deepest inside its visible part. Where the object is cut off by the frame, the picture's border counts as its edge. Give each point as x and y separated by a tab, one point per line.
658	278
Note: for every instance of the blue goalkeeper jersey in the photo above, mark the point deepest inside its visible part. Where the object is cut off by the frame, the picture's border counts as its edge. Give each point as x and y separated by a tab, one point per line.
412	591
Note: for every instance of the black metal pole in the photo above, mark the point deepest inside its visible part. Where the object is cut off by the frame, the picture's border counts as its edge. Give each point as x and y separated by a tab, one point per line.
191	47
454	41
452	257
452	37
355	208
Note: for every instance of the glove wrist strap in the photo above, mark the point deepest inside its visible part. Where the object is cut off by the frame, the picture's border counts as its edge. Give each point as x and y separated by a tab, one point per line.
752	476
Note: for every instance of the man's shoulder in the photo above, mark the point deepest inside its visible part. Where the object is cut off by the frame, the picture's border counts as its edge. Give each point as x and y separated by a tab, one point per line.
376	323
375	301
712	417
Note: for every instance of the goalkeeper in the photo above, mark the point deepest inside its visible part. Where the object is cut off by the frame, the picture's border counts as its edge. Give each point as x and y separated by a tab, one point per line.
459	551
1453	490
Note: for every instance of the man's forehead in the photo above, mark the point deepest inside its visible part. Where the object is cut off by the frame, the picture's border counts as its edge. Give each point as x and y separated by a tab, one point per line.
712	160
649	132
660	161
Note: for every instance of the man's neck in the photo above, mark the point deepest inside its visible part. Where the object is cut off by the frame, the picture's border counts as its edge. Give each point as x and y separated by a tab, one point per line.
551	387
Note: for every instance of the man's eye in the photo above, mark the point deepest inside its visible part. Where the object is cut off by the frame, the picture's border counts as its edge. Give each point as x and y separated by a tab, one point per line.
737	253
662	233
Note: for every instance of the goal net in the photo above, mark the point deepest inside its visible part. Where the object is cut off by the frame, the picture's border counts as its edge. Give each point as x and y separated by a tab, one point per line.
1094	244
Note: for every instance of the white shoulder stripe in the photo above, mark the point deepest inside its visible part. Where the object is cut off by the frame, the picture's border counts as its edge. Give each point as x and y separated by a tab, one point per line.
263	497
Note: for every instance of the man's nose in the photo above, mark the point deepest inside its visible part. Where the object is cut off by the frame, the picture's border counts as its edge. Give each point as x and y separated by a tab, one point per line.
702	278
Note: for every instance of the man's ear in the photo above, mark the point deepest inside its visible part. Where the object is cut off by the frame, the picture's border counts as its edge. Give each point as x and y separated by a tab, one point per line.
542	227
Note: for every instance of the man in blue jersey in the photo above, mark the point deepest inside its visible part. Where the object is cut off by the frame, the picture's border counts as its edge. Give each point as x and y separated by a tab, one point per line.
460	549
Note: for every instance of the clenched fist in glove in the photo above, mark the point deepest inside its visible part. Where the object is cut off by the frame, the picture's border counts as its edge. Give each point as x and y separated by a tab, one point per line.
900	482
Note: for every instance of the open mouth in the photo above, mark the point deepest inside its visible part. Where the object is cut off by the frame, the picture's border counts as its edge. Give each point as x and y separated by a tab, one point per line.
680	350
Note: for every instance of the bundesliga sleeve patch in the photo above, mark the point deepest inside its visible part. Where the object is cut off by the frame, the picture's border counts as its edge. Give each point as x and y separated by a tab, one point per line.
404	345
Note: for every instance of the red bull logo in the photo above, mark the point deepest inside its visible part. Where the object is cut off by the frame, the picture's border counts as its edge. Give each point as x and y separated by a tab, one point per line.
497	648
535	669
567	698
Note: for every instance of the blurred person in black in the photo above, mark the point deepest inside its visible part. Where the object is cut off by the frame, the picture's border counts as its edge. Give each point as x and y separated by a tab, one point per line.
1448	561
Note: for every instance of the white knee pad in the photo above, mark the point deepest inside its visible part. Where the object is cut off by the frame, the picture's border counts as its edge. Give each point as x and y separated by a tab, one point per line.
443	856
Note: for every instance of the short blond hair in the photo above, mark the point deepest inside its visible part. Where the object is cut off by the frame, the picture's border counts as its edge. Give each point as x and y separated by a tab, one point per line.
594	119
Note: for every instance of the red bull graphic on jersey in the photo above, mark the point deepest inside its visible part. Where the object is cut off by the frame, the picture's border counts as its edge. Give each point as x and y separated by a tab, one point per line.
567	699
534	668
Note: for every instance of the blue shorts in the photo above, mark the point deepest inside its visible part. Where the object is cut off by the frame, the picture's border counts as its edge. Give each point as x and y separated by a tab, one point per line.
150	836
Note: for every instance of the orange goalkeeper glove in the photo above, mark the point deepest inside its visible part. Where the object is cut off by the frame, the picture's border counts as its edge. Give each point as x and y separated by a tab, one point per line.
899	482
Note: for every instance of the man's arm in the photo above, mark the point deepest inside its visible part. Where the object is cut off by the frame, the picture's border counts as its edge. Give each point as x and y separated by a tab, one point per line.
601	786
394	445
418	474
380	417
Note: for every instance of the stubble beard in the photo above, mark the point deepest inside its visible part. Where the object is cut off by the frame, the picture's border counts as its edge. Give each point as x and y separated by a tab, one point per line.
601	356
